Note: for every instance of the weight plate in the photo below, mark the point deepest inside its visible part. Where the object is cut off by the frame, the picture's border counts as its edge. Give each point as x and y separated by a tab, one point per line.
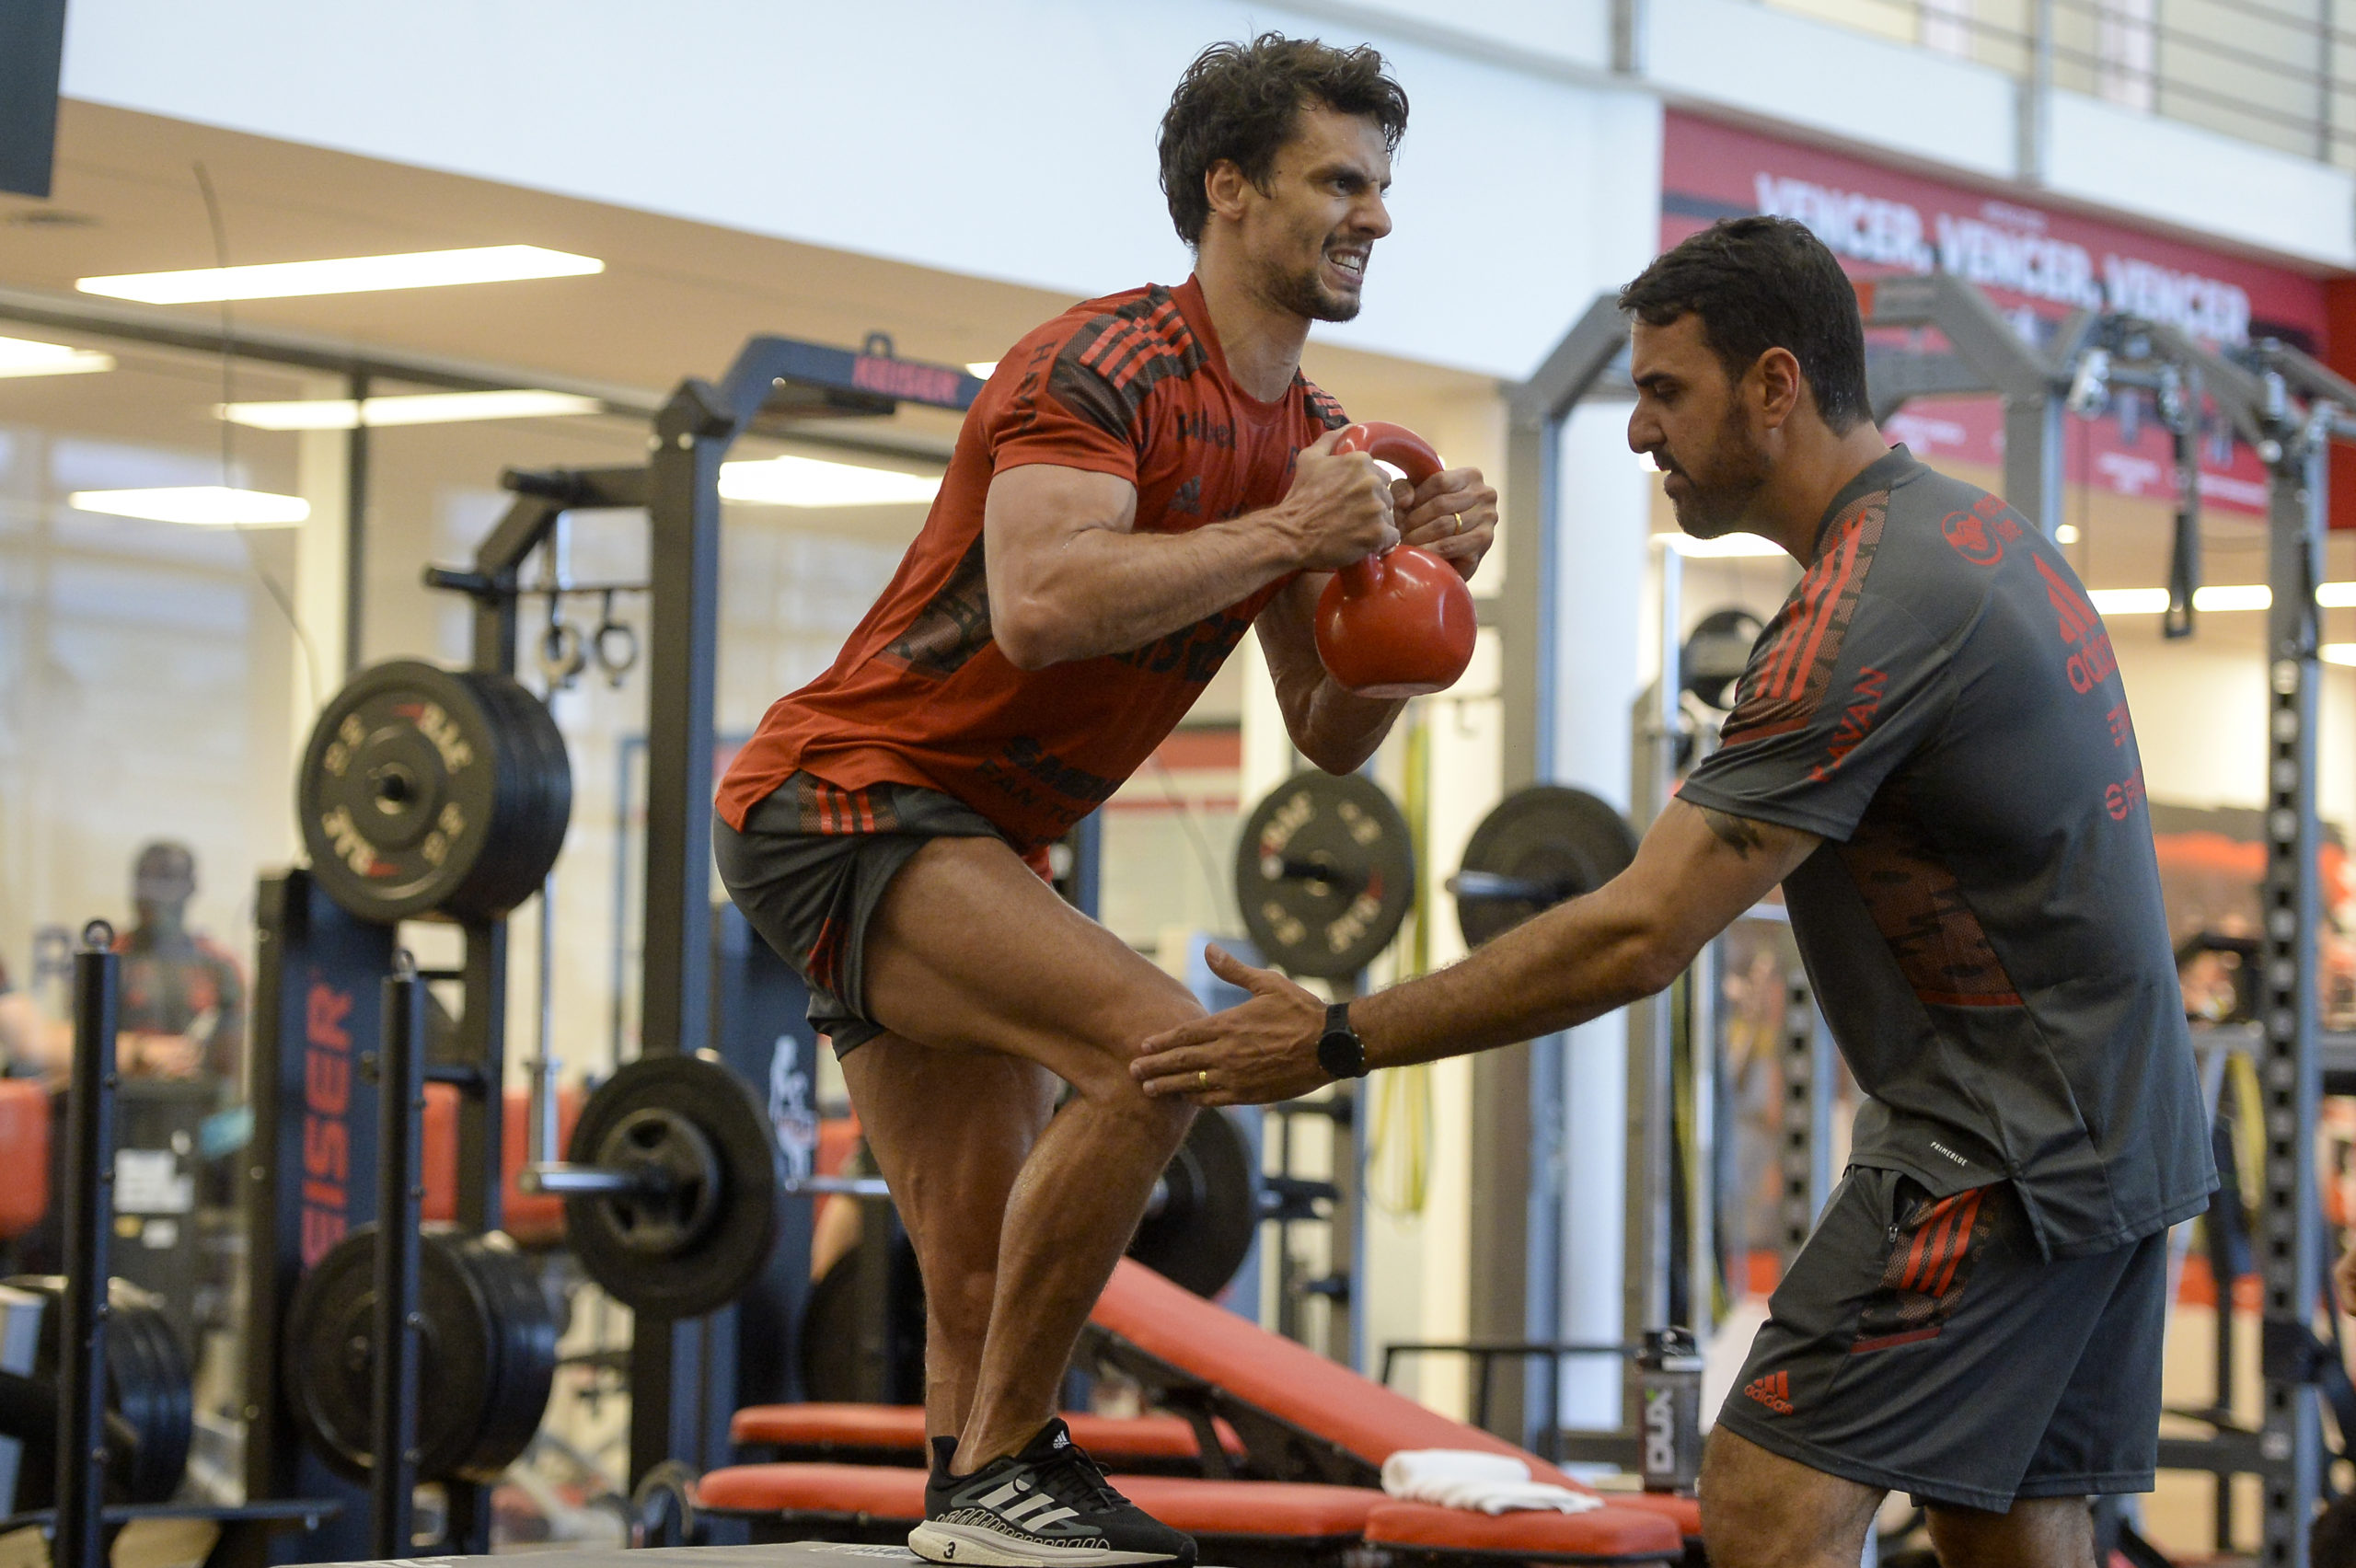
1209	1212
1715	653
161	1406
1538	846
696	1247
148	1390
330	1357
428	789
526	1351
1324	873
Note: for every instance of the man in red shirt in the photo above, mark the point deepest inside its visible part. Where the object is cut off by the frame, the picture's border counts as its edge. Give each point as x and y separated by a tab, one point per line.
1144	479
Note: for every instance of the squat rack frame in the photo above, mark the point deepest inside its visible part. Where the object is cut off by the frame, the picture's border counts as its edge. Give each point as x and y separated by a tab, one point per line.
682	1376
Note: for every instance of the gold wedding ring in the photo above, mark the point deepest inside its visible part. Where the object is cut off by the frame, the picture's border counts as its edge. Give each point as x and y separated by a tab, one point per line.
1202	1077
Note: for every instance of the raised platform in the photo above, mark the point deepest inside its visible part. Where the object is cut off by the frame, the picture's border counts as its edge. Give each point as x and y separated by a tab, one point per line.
787	1554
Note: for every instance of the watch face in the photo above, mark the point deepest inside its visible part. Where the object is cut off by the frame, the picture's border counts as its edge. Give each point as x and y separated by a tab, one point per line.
1340	1054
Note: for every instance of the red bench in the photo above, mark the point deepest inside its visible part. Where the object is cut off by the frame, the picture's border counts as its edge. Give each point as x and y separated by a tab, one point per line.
1314	1434
894	1435
1301	1417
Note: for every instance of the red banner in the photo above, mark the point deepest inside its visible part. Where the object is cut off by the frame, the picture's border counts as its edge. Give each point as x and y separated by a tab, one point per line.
2036	263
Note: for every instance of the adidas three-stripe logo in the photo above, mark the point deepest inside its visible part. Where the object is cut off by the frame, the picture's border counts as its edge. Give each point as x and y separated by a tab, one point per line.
1035	1511
1774	1391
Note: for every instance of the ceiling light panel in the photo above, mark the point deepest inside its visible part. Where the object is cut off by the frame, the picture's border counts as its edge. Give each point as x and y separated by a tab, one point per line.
2128	601
1727	547
22	356
812	481
350	274
426	408
205	507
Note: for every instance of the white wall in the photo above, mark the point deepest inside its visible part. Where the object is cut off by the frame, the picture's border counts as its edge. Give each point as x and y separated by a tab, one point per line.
2201	181
1011	141
1834	81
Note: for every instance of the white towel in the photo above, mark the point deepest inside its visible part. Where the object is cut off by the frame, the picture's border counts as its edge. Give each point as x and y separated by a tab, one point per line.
1466	1478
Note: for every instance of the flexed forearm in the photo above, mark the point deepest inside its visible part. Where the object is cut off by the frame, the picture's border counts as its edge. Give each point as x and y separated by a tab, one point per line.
1106	590
1071	576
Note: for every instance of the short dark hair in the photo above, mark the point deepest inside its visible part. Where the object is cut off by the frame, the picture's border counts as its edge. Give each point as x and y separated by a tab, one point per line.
1761	283
1241	101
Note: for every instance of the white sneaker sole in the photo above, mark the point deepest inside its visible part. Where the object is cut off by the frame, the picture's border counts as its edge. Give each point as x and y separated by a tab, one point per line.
961	1544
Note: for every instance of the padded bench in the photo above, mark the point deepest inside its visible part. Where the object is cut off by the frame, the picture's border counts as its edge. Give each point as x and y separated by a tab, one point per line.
1301	1417
1246	1524
894	1435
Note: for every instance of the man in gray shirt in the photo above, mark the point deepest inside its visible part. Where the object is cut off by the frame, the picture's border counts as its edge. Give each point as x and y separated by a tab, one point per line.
1931	753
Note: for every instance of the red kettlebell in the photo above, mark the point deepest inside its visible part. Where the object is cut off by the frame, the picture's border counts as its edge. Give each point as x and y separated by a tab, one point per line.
1398	624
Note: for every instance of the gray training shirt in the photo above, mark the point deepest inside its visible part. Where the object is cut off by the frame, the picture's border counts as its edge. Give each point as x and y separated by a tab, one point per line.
1938	700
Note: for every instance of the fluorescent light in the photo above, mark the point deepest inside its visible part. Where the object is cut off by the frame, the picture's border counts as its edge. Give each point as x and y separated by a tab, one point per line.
208	506
2066	535
427	407
2236	596
2223	596
2339	653
22	356
810	481
1727	547
350	274
2212	600
980	369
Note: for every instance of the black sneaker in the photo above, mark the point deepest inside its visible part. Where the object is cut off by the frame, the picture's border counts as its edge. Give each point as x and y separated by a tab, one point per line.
1047	1506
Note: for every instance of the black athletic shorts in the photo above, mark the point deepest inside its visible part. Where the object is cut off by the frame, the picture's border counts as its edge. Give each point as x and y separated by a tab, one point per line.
811	865
1929	1347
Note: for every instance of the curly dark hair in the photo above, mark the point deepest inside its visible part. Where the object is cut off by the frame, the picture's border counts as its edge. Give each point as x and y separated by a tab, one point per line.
1238	102
1761	283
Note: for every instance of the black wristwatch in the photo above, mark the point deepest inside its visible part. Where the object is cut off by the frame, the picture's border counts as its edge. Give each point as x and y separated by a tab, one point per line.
1339	1049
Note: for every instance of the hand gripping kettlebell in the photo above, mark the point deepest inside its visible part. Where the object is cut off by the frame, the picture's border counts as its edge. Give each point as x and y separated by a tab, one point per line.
1397	624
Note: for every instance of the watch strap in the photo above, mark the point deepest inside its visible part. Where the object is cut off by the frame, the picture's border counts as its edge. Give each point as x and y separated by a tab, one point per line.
1339	1049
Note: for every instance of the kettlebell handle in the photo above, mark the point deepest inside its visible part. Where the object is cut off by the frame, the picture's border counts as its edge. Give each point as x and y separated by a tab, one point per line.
1395	444
1404	450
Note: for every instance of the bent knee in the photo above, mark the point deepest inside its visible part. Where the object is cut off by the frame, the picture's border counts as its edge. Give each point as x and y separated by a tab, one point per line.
1116	1035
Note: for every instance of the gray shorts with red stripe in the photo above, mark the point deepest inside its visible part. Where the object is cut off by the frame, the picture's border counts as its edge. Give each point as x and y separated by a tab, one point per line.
810	867
1928	1346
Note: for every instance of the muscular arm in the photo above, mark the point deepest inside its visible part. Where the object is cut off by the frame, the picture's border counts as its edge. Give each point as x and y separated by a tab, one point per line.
1696	870
1071	578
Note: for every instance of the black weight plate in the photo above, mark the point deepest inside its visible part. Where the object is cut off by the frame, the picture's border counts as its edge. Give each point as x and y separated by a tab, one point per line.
1548	843
1715	653
162	1407
424	790
653	1254
329	1360
148	1388
526	1353
1211	1210
1324	873
546	808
